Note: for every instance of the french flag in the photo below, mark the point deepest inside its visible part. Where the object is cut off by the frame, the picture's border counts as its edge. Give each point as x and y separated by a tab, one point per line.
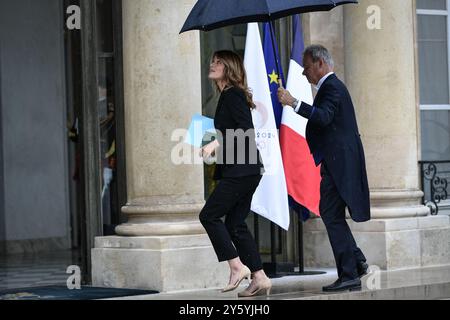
302	176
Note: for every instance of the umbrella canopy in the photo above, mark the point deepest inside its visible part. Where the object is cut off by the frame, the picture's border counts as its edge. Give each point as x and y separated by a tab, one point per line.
212	14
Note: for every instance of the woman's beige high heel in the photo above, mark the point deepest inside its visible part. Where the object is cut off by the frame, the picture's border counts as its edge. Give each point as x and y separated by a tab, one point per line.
261	289
244	273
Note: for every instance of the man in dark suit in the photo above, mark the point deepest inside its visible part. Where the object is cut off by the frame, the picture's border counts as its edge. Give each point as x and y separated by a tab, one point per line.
335	143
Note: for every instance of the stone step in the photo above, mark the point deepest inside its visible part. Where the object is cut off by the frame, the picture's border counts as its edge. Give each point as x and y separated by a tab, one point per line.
436	291
431	283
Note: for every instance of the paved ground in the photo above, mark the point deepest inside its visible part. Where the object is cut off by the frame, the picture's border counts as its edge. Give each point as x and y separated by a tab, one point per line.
21	271
424	283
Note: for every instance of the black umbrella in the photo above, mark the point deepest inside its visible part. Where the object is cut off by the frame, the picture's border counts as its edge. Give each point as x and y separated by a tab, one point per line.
213	14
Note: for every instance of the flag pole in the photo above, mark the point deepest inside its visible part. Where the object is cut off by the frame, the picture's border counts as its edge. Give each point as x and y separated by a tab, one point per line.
301	257
277	62
280	82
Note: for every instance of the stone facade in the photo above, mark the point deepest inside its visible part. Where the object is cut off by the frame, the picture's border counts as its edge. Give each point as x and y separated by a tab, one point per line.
381	75
164	247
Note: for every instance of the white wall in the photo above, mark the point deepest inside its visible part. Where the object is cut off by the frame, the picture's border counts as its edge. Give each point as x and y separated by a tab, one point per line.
33	137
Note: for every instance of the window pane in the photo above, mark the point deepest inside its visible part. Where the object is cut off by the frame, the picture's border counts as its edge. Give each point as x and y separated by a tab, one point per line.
105	26
435	126
108	165
432	4
433	60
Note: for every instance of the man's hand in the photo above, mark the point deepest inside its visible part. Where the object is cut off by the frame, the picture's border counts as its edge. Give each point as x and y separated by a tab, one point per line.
285	97
209	150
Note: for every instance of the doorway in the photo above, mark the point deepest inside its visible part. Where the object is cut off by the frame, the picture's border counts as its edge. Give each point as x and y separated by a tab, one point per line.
100	124
62	159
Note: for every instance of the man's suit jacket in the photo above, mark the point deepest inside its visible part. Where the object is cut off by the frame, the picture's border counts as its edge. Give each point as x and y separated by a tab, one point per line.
333	136
236	157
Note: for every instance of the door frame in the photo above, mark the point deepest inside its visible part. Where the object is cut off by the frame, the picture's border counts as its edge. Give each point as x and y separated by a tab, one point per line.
90	127
2	186
120	109
90	138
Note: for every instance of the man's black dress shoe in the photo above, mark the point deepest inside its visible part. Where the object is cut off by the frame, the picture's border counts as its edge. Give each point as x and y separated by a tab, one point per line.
339	285
334	284
362	269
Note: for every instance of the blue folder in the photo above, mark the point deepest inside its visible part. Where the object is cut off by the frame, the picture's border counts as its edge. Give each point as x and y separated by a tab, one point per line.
201	131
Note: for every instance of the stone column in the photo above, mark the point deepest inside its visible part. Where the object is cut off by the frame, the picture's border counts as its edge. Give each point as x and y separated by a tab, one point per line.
381	75
163	246
326	28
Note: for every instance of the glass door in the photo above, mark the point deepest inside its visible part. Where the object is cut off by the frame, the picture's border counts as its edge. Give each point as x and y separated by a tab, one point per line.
110	100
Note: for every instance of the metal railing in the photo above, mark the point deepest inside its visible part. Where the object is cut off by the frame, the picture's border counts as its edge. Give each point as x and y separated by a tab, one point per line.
434	183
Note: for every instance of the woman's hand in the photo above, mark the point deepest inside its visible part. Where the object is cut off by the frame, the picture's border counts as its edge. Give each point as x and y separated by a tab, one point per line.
209	150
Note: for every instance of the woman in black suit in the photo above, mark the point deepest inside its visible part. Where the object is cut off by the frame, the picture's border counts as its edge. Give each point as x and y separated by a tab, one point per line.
239	170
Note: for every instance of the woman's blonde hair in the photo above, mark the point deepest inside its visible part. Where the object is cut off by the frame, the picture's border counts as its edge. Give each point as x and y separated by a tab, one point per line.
234	73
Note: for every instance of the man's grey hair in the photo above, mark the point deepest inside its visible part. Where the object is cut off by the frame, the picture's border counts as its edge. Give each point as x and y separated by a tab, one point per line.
318	52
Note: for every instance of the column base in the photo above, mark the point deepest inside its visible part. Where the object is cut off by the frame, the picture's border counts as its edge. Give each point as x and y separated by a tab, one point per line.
387	243
165	264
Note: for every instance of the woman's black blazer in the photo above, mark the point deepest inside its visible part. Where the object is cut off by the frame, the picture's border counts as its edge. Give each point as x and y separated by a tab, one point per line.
237	155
